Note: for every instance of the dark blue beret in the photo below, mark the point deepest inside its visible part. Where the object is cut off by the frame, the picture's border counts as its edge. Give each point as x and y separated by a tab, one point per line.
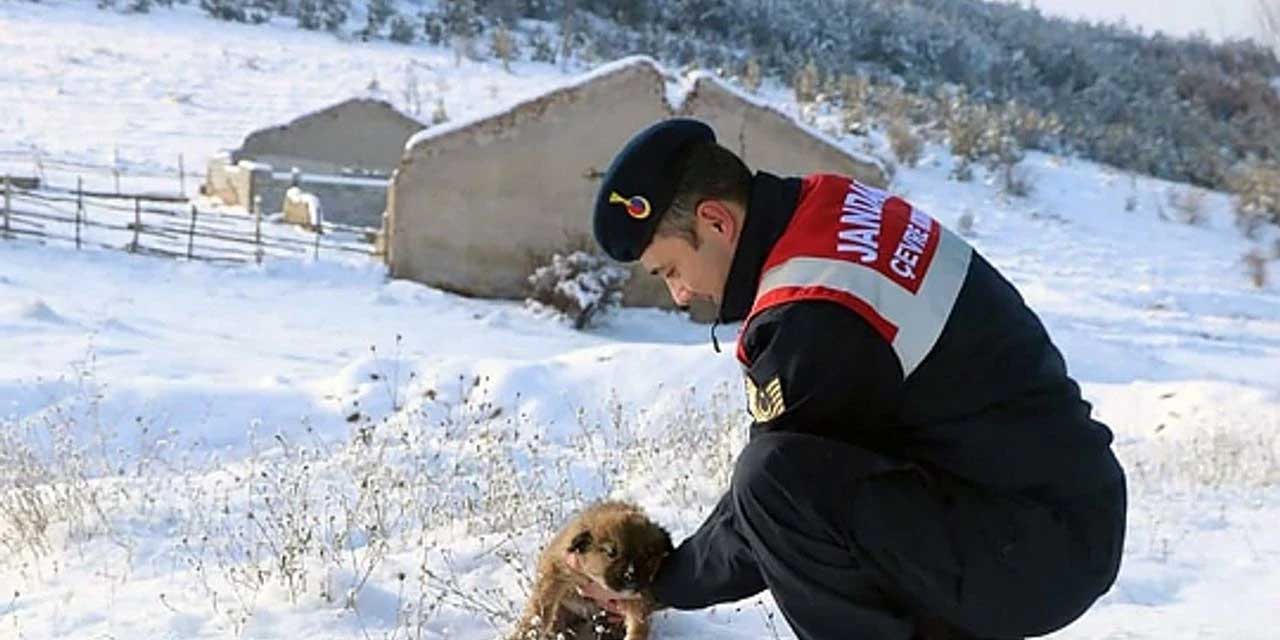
640	185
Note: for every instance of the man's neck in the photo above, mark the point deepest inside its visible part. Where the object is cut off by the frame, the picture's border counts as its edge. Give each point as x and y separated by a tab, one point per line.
773	201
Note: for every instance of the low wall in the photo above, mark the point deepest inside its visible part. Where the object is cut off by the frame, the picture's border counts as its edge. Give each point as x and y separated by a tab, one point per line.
351	201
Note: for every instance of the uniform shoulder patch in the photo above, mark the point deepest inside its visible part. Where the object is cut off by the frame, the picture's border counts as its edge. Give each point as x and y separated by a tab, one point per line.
765	402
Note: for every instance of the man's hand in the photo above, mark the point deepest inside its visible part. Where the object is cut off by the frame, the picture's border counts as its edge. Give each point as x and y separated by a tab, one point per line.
611	601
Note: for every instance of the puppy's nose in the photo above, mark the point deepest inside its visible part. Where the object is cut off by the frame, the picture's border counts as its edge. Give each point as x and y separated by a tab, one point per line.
629	578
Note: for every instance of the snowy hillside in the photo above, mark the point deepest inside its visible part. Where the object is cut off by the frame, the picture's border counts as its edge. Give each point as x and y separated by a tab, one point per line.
306	449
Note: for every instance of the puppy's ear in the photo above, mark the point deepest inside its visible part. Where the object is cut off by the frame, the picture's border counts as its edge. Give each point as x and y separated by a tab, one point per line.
580	542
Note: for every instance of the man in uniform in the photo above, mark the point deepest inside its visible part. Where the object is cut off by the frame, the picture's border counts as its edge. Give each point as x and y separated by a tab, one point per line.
920	463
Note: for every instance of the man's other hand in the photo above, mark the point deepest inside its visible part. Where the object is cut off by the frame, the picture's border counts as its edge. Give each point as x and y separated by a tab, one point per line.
611	601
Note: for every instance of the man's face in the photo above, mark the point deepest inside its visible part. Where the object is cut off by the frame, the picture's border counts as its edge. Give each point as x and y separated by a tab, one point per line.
697	272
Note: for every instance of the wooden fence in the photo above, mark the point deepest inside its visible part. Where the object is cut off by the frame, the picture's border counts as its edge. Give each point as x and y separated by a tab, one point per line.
116	170
164	225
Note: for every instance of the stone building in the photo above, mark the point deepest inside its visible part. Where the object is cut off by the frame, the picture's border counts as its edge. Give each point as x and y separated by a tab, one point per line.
475	205
343	154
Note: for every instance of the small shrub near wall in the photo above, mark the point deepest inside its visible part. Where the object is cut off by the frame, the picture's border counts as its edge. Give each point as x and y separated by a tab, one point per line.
579	286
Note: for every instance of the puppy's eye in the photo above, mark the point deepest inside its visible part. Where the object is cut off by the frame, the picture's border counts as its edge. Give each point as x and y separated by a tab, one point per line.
610	551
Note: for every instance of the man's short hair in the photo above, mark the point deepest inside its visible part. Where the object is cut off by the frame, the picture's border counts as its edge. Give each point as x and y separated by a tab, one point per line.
707	171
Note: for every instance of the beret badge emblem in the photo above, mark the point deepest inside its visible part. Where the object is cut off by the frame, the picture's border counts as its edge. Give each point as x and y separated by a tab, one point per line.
637	206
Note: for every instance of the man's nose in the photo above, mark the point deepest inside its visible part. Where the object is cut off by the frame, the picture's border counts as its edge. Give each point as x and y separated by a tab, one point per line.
680	294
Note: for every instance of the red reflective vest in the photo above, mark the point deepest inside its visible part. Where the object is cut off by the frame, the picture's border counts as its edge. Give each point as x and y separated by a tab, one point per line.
876	254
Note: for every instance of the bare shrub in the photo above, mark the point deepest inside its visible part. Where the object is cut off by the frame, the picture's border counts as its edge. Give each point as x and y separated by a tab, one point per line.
503	46
893	103
439	115
1257	190
1016	180
307	518
752	76
855	94
1256	265
42	487
1029	127
966	126
1214	458
906	145
580	286
964	224
980	133
48	467
1187	205
411	90
806	82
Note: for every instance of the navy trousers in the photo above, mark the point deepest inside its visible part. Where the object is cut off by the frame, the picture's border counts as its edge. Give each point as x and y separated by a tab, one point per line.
853	544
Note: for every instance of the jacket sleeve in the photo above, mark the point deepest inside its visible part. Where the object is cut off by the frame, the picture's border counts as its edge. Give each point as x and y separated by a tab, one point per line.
838	378
713	565
831	373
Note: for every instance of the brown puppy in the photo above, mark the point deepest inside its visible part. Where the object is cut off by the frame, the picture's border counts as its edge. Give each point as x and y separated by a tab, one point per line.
611	543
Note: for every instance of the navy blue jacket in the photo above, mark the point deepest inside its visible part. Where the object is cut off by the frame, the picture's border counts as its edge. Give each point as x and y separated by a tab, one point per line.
989	403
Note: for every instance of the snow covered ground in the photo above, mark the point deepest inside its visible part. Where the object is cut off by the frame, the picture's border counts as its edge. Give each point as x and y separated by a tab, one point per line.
306	449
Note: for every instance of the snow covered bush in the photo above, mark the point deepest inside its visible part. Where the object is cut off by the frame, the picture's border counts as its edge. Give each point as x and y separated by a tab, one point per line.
402	30
228	10
581	286
253	11
377	14
327	14
541	48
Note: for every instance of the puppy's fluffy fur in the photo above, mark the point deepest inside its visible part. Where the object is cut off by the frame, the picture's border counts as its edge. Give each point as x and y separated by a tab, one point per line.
614	545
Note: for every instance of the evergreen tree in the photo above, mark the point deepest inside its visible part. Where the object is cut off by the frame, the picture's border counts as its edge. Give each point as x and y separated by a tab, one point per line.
229	10
461	18
377	14
333	13
402	30
308	14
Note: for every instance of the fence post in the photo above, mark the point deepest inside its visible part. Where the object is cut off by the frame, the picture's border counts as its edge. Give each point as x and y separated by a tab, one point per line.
137	223
115	168
8	187
257	228
191	235
182	177
79	207
319	223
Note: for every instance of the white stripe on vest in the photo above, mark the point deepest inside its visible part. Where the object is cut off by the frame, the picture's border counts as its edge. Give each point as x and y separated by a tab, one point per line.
920	317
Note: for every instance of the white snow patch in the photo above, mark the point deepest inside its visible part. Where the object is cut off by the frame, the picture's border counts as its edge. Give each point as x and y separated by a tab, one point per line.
145	359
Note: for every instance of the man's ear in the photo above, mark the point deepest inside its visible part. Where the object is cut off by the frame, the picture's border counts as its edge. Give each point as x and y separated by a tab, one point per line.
719	217
580	542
